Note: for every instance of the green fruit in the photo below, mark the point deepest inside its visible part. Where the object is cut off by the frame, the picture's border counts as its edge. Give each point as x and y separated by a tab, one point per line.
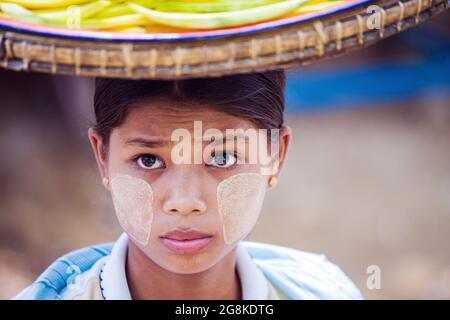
218	20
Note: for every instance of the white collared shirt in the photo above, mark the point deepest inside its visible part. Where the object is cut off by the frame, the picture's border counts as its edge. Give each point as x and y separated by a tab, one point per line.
266	272
114	284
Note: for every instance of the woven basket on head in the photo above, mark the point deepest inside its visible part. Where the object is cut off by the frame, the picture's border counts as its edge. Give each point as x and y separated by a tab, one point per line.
286	43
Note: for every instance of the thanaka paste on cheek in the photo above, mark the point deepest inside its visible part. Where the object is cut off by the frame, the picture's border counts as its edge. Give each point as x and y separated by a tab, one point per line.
240	198
133	202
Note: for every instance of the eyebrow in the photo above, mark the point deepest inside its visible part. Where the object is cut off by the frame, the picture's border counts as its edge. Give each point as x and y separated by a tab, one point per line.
157	142
149	143
226	138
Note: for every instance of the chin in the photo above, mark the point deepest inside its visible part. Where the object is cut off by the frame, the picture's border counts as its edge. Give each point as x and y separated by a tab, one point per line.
190	263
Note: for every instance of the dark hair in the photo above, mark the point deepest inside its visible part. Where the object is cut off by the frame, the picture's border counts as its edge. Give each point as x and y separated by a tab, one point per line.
258	97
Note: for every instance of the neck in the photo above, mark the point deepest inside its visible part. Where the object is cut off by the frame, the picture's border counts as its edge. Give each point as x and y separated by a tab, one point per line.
149	281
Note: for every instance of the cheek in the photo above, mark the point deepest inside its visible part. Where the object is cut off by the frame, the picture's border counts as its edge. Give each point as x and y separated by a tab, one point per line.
133	202
240	199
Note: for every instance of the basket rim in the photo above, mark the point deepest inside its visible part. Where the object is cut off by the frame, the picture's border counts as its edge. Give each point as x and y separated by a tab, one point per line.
91	35
280	48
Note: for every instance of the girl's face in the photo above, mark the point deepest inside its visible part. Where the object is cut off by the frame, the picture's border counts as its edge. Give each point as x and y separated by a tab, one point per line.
184	216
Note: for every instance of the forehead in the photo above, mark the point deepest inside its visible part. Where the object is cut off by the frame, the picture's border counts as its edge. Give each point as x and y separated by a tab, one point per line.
161	117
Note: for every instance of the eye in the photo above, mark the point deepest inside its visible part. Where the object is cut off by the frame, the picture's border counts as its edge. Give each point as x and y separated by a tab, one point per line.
222	160
149	161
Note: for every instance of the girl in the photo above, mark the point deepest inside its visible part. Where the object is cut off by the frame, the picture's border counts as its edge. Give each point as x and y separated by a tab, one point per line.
187	163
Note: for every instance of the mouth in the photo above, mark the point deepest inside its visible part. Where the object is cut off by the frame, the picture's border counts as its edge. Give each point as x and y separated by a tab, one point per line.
185	241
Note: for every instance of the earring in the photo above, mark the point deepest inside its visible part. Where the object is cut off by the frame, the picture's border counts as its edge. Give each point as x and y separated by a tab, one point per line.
273	181
105	182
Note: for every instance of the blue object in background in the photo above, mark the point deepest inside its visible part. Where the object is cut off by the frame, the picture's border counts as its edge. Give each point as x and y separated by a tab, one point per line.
360	85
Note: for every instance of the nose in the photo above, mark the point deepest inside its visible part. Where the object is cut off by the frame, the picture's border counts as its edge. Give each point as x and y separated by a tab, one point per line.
184	194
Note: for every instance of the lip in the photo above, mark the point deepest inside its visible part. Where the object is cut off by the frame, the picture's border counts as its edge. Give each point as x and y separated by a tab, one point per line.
185	241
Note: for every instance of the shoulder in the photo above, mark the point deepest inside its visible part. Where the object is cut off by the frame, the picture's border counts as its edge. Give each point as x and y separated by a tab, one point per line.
53	282
300	274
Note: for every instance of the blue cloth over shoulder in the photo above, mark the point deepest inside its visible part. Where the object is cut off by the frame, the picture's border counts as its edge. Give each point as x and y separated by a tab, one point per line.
295	273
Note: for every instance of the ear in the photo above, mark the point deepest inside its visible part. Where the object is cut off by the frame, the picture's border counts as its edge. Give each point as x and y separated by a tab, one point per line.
100	152
285	137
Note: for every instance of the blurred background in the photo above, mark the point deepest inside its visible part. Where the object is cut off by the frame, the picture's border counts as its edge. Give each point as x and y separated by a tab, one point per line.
367	180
